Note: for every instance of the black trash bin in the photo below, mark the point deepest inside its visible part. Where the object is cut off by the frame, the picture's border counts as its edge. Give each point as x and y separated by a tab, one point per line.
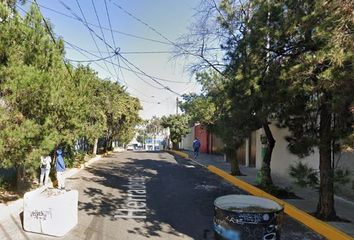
246	217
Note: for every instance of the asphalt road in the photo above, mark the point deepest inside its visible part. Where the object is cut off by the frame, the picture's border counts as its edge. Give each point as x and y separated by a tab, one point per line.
173	198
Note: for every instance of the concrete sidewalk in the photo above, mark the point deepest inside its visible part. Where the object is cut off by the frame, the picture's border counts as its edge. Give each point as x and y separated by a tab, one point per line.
10	219
309	197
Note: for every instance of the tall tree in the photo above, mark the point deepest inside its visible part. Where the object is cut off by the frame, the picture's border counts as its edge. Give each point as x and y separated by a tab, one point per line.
317	61
121	111
213	109
30	67
153	126
178	125
45	104
91	112
251	73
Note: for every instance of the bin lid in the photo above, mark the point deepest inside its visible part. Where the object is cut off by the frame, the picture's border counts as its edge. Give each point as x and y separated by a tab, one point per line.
246	203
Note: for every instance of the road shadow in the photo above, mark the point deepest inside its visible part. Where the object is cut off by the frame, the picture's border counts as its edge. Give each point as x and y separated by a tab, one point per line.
180	195
177	194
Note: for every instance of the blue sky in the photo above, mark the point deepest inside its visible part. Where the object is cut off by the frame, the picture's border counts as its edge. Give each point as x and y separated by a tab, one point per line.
171	18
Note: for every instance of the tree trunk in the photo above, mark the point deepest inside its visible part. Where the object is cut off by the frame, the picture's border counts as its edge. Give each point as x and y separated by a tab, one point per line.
325	207
175	145
266	177
94	152
231	157
108	145
20	178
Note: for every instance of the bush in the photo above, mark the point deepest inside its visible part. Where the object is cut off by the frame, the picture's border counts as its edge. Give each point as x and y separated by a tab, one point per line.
7	178
306	176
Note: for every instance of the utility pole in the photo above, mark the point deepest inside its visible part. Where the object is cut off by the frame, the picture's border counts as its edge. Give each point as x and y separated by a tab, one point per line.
176	105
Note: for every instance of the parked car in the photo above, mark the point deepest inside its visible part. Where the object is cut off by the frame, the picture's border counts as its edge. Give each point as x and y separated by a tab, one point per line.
130	147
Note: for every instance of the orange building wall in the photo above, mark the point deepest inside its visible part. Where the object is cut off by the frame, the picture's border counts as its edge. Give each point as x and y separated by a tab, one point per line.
201	133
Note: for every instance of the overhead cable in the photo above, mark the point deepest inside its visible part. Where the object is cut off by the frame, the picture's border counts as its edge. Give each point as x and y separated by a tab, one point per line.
91	34
127	69
164	37
147	75
91	60
113	39
106	28
99	23
115	50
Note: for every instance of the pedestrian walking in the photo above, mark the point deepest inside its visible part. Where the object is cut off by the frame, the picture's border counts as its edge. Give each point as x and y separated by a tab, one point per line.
60	167
196	146
45	169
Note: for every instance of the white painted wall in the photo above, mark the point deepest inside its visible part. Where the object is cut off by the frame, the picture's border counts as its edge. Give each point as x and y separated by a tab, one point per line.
282	158
187	140
345	160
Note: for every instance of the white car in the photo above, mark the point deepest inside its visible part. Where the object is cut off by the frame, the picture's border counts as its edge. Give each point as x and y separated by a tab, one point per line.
130	147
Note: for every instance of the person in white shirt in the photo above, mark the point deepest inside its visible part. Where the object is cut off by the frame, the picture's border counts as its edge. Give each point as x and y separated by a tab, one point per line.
45	169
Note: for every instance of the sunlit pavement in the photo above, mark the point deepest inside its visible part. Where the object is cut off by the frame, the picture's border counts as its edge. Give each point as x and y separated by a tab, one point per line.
146	195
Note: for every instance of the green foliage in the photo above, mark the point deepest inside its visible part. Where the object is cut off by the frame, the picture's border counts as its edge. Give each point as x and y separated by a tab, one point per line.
43	106
291	62
282	193
178	125
153	126
7	178
141	138
121	111
201	108
304	175
341	177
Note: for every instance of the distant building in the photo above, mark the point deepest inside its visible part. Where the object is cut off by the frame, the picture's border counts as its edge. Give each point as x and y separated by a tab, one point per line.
154	143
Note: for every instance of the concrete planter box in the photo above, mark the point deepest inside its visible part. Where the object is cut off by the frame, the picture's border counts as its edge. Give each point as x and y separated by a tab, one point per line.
50	211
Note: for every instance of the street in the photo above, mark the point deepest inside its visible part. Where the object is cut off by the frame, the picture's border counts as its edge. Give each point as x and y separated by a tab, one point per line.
151	195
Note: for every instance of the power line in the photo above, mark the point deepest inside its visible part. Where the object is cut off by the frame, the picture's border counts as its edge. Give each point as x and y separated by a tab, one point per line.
105	28
120	69
81	52
145	52
127	69
78	49
144	23
91	60
99	23
84	21
135	52
110	24
138	91
92	37
168	40
113	39
141	77
115	50
152	78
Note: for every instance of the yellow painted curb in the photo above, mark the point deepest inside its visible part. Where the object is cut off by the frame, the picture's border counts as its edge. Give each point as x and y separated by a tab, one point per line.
107	153
315	224
179	153
318	226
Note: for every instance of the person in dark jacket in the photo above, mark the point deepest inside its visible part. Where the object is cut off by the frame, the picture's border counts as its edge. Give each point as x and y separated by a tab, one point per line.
196	146
60	167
